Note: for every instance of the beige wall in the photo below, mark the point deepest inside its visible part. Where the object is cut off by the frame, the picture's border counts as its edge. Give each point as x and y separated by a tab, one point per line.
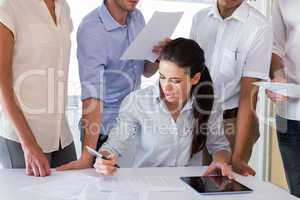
277	175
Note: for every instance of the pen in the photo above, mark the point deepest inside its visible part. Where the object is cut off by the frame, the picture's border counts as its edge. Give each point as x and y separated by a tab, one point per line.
97	154
236	54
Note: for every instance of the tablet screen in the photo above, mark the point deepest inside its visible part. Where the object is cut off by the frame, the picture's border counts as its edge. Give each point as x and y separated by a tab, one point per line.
215	185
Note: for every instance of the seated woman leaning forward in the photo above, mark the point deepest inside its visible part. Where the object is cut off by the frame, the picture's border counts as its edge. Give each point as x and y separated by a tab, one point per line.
173	120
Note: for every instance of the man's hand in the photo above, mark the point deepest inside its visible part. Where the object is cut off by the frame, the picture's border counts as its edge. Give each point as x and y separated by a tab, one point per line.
83	163
241	167
157	49
37	163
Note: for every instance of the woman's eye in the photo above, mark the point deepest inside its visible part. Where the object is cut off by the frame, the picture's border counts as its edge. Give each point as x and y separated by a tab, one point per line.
161	77
176	81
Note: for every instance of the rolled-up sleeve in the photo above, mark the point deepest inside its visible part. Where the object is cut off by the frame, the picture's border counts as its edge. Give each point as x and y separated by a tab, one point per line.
7	15
125	128
92	59
216	139
279	31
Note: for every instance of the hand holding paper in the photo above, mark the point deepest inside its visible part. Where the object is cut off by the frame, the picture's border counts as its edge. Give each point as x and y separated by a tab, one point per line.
286	89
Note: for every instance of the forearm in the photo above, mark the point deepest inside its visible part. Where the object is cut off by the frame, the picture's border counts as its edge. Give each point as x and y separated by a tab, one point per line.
16	118
91	118
7	96
222	156
245	119
277	68
150	68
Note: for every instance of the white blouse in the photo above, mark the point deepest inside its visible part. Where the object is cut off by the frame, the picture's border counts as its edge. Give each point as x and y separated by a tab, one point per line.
40	69
286	30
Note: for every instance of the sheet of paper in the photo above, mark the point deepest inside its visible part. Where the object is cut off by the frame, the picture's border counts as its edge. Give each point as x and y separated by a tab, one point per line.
160	26
65	187
140	184
286	89
92	192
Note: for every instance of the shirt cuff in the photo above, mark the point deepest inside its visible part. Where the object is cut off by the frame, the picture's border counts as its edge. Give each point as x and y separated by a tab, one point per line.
110	149
257	75
278	52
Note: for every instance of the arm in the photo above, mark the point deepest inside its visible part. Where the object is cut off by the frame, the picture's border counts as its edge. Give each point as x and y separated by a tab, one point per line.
256	67
245	126
277	73
91	118
92	59
218	146
36	162
150	69
120	135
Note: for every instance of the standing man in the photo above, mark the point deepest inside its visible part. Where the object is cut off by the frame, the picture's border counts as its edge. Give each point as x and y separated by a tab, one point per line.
237	40
285	67
103	37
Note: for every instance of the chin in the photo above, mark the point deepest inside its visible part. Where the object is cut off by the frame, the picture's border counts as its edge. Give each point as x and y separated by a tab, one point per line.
172	99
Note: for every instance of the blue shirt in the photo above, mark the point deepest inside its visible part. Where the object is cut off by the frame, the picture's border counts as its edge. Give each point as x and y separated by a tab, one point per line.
101	43
159	141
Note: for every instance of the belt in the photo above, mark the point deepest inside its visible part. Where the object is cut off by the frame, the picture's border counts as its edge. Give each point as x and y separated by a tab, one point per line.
230	113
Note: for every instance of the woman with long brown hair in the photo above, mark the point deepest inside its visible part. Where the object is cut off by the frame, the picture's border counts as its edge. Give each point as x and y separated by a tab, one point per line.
173	120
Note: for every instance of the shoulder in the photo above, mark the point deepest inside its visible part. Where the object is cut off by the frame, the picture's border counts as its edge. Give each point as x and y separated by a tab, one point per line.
140	98
202	14
257	19
91	24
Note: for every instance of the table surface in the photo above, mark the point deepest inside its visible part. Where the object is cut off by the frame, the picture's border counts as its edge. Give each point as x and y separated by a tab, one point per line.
12	180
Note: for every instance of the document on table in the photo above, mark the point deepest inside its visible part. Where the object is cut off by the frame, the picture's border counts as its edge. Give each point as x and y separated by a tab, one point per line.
92	192
82	187
66	186
141	184
160	26
286	89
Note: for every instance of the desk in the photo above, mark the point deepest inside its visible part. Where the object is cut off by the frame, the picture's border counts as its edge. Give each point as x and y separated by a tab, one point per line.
12	180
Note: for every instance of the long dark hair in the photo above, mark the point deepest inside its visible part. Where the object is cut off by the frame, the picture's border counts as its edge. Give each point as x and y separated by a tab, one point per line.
188	54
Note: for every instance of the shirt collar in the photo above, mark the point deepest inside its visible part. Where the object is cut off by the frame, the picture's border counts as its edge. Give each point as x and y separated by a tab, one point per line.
240	14
109	22
157	98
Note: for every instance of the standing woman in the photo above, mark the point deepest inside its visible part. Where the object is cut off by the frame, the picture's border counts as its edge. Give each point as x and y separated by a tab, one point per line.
34	58
285	67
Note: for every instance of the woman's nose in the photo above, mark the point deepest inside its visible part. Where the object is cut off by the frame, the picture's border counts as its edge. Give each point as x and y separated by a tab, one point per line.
168	86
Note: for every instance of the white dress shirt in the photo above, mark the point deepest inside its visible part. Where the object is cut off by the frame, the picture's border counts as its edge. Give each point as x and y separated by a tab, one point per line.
286	30
236	47
40	69
160	141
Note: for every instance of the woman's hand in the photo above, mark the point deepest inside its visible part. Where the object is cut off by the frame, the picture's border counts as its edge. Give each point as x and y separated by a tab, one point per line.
106	167
275	97
219	168
37	163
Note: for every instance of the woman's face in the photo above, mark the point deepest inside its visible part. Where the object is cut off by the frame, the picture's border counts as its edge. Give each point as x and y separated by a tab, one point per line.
175	82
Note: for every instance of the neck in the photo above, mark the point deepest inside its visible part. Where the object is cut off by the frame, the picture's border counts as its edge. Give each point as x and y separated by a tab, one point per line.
118	13
226	12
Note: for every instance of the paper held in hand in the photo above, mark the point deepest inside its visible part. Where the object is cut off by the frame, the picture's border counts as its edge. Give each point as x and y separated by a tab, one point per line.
286	89
161	26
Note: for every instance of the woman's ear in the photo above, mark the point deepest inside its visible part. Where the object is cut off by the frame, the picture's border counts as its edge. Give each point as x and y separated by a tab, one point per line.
196	78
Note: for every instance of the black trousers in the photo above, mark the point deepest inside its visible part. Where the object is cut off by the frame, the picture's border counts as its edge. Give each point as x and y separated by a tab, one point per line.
288	132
